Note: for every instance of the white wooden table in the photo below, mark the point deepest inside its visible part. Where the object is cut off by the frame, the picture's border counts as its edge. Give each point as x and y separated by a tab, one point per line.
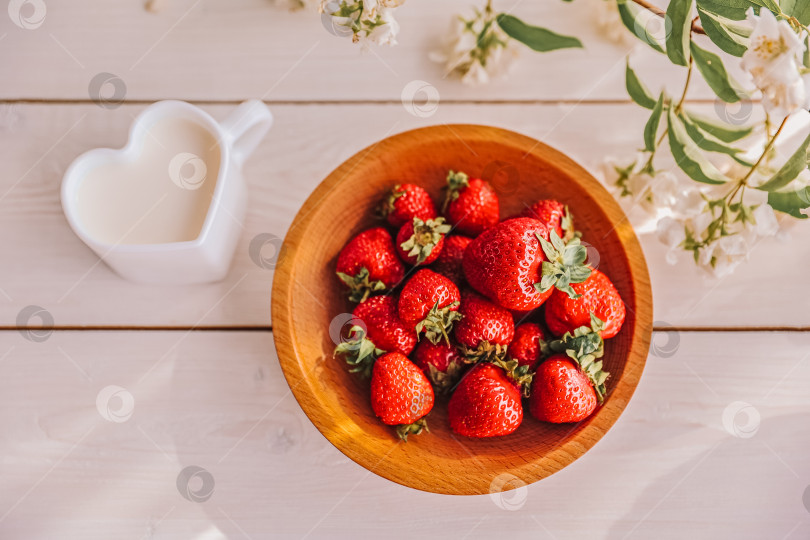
713	445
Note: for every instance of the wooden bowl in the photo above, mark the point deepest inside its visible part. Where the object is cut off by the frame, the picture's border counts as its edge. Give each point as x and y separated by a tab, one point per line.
307	299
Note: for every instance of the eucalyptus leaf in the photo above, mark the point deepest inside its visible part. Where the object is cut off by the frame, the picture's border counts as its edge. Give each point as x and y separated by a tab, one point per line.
705	140
638	92
537	38
632	16
651	128
687	154
722	131
735	9
679	13
795	164
791	202
731	36
711	67
797	8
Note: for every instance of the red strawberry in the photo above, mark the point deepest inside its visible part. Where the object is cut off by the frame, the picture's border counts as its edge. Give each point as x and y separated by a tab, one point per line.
549	212
401	395
506	263
596	294
486	403
525	347
369	263
441	362
429	302
471	204
420	242
405	202
567	386
561	392
377	329
484	329
448	263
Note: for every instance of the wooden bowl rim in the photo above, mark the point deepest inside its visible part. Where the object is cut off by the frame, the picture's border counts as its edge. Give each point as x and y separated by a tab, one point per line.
576	445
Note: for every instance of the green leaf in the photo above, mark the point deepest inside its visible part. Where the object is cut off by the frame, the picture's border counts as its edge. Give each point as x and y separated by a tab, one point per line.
806	55
687	154
791	202
630	13
735	9
539	39
731	36
706	141
679	13
722	131
797	8
790	170
638	92
651	128
711	67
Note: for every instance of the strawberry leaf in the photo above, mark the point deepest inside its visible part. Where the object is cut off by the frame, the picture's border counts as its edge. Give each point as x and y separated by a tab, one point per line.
359	285
358	351
565	264
456	181
584	346
426	235
438	322
403	430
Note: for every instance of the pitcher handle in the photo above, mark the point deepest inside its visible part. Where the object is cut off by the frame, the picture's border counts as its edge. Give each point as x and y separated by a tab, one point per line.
245	127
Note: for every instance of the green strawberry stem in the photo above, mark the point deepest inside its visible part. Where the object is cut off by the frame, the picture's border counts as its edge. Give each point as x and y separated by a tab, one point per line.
438	322
359	286
521	375
567	225
456	181
387	204
444	381
403	430
565	264
584	346
426	235
484	352
358	351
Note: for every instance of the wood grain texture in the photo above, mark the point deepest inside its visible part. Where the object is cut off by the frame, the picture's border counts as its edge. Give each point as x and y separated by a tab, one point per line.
668	468
46	265
307	299
210	50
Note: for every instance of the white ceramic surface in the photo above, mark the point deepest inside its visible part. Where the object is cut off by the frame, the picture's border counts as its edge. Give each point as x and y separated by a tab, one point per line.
207	257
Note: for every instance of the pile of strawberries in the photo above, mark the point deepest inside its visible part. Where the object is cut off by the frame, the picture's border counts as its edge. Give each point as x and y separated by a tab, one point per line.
448	304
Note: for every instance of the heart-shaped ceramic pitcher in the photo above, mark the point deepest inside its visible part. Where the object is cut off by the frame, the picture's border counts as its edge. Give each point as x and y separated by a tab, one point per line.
168	207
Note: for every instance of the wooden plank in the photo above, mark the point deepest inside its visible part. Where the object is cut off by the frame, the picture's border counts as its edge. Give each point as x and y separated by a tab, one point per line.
204	50
217	400
46	265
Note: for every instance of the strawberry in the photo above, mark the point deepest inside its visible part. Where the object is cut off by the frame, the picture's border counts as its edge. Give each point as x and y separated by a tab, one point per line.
596	294
405	202
553	214
448	263
569	384
515	265
441	362
377	329
401	395
369	263
421	242
429	302
485	329
471	204
525	347
486	403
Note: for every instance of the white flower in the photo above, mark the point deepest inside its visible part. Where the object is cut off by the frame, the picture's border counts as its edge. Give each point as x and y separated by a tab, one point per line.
654	192
476	61
368	21
765	223
773	59
722	256
385	30
609	22
671	233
